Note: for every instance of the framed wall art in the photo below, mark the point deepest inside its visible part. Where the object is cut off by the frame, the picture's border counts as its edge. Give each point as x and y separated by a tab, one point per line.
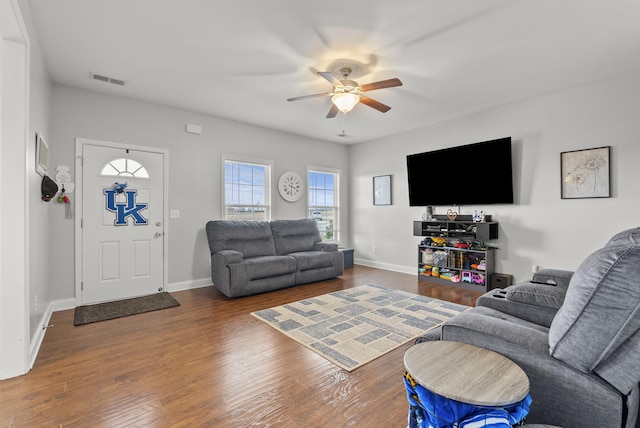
585	173
42	155
382	190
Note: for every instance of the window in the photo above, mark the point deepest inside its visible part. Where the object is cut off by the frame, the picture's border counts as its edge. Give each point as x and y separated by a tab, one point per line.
247	185
124	167
324	201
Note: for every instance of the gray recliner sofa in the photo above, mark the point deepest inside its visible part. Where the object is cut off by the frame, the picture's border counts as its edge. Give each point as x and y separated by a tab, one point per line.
250	257
583	365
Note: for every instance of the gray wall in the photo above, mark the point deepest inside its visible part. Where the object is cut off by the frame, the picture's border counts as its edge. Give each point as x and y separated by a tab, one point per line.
39	262
540	228
194	170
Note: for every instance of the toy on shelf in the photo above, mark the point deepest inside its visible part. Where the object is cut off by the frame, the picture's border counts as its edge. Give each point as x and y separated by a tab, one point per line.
466	277
427	256
439	241
477	278
446	274
478	216
427	242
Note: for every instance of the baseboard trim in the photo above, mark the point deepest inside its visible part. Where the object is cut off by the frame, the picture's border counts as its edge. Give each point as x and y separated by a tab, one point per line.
188	285
38	337
387	266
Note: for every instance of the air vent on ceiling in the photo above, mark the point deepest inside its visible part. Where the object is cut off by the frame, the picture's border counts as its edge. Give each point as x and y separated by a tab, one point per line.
107	79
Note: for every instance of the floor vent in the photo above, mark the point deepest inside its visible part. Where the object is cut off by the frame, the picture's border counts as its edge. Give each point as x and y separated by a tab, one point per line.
101	78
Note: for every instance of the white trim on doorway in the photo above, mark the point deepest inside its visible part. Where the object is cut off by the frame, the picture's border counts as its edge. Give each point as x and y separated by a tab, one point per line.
14	212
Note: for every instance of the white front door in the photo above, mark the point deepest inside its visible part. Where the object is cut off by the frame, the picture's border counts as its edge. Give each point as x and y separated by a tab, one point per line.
122	223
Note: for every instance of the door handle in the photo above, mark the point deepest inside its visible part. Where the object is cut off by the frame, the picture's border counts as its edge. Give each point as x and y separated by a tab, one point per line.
158	234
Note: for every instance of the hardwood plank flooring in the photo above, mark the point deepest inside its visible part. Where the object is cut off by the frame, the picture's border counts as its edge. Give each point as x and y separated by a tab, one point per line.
209	363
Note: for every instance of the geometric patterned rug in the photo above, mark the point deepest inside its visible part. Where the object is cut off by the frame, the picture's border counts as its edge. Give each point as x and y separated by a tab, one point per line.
355	326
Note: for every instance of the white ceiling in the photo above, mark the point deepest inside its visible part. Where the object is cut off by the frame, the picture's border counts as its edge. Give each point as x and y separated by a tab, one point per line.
241	59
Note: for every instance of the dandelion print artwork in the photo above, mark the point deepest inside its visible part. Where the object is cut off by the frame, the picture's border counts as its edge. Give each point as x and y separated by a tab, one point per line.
585	173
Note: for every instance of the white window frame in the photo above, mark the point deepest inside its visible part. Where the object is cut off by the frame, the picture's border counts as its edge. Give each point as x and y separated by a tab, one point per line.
337	201
268	203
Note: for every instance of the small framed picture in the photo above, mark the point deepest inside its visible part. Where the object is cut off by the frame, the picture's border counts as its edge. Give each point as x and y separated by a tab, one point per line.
42	155
382	190
585	173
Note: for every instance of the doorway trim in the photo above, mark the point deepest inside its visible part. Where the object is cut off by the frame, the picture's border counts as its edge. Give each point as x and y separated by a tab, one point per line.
16	353
80	142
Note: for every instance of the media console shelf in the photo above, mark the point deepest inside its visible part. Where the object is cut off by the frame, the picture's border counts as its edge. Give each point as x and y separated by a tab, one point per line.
456	265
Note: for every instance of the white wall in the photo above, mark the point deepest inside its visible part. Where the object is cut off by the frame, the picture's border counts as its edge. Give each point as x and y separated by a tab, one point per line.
194	170
540	228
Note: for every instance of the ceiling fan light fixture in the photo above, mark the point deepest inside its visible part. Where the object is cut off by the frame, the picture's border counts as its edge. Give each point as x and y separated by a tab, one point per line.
345	101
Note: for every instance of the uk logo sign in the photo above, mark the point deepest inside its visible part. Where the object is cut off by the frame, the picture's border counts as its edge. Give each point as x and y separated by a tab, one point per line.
123	210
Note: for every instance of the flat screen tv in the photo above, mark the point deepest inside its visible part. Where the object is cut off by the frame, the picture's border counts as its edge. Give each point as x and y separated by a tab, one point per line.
474	174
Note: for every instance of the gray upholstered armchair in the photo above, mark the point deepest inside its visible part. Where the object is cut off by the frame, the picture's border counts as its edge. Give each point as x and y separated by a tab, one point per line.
584	366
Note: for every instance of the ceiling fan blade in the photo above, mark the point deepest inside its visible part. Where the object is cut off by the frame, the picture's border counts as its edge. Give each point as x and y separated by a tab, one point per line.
331	78
374	104
333	111
389	83
310	96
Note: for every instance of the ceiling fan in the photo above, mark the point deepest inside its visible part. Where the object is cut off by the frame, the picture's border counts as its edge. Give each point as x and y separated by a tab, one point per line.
347	93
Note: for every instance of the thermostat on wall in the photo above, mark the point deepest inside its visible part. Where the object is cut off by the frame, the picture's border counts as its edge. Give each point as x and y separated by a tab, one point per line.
193	129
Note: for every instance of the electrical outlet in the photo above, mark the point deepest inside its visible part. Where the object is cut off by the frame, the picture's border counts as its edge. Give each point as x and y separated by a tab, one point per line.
35	302
374	249
209	261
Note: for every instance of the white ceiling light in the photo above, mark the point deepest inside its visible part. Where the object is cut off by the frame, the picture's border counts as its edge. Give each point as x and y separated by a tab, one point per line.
345	101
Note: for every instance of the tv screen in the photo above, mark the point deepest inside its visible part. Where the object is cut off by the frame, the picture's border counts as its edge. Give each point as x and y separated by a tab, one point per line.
474	174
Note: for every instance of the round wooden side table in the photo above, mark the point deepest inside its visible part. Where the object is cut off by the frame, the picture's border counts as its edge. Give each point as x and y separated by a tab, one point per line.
466	373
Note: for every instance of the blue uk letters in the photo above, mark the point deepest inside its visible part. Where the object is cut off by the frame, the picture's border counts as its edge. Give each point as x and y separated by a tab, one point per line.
126	209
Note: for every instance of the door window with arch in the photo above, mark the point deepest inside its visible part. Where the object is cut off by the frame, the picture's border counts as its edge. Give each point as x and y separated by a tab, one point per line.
124	167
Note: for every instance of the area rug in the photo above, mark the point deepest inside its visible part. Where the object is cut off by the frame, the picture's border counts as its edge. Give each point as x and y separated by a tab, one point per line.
123	308
355	326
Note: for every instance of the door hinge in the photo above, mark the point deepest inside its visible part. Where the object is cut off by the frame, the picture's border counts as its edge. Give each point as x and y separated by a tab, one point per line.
81	223
81	286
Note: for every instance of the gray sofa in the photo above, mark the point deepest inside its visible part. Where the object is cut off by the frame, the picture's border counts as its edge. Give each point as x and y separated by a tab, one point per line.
250	257
584	362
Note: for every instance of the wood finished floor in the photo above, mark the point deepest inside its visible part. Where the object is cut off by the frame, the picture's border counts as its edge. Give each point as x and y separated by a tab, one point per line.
209	363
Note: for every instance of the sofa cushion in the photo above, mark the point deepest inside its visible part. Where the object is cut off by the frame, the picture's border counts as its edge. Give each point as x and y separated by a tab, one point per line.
313	259
601	310
251	238
261	267
292	236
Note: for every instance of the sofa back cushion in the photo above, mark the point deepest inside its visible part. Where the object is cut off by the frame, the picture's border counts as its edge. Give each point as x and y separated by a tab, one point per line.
601	310
251	238
292	236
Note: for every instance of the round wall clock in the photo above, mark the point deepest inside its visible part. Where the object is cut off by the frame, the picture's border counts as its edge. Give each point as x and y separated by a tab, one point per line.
290	186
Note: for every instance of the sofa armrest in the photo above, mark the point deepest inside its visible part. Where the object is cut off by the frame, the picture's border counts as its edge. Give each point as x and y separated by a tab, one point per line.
325	246
536	303
220	274
541	295
225	257
557	277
